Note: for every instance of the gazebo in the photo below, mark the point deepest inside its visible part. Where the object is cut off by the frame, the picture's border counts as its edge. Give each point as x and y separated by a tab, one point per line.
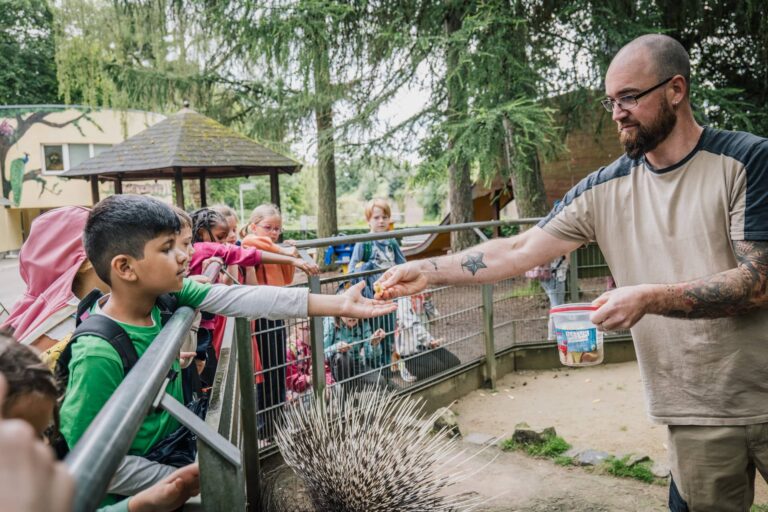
186	145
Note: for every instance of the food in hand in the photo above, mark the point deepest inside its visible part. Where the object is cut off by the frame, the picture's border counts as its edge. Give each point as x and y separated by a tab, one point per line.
378	289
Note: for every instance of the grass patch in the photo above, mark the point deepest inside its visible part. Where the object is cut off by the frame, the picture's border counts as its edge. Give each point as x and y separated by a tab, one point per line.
619	467
562	460
759	508
551	448
531	289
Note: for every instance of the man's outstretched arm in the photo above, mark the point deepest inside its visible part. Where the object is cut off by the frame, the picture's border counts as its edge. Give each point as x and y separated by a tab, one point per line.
729	293
488	262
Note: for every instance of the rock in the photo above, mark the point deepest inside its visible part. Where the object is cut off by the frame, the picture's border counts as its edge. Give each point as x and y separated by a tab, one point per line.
572	453
479	438
660	470
446	419
524	434
591	457
636	459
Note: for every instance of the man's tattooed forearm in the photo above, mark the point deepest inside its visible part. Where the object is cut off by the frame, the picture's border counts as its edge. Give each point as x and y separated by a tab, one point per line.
733	292
473	262
433	262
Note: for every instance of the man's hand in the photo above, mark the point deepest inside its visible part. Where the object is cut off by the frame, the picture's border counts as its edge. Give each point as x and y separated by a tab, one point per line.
400	280
621	308
30	479
170	493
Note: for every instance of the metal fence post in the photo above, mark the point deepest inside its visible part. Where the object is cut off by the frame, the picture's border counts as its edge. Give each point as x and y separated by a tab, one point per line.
490	345
573	276
248	412
318	350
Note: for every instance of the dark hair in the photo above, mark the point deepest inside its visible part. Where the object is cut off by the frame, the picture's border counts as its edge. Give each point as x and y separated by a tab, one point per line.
185	221
206	219
123	224
25	372
667	54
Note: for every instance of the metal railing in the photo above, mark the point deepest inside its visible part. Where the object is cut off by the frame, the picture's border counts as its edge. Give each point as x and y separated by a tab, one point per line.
475	323
97	455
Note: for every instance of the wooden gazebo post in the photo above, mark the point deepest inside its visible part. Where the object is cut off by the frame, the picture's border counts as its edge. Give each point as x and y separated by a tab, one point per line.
95	189
179	187
203	193
274	187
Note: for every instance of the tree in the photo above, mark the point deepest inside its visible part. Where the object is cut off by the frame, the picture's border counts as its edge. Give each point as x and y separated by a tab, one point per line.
27	53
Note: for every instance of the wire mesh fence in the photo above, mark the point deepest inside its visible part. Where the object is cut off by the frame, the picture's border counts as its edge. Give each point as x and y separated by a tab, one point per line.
432	334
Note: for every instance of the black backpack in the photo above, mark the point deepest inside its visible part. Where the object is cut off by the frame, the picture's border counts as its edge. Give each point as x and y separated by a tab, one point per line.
109	330
106	328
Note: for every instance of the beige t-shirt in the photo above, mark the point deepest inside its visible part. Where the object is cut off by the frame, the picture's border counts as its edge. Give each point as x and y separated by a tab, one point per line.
674	225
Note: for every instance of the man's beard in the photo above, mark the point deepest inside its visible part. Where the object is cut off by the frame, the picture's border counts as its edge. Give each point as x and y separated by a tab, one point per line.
647	138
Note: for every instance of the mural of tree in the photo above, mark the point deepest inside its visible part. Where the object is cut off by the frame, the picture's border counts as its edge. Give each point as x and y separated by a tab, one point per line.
15	123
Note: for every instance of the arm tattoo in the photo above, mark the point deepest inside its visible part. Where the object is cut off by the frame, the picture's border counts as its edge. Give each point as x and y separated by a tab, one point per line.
473	262
730	293
433	262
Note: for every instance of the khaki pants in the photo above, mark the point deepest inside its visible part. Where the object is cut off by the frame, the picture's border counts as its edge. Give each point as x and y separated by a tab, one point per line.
714	467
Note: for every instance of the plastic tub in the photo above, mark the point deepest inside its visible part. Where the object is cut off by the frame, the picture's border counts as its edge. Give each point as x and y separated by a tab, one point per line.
579	342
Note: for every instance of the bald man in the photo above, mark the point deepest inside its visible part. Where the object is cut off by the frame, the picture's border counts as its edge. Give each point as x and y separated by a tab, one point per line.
682	219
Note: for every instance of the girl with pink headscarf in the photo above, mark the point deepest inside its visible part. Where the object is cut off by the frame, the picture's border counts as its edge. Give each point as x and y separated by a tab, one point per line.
53	265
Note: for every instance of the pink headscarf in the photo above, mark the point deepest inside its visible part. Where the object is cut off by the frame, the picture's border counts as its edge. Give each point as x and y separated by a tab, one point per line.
48	263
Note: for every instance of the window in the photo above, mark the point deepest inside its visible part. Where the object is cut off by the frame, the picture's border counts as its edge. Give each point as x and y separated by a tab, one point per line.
54	158
58	158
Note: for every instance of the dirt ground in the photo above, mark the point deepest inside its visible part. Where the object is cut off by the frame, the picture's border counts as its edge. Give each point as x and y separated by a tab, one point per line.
600	407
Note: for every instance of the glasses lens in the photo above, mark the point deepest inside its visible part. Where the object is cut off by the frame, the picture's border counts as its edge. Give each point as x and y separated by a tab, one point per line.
607	104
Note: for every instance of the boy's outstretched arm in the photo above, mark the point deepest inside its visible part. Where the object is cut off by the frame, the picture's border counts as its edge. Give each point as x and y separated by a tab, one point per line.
273	302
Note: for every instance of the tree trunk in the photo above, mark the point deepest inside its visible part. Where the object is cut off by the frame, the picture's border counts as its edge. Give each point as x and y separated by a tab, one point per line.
527	182
459	182
326	163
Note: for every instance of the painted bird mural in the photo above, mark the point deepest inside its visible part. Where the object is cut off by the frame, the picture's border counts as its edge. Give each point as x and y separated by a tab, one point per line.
17	177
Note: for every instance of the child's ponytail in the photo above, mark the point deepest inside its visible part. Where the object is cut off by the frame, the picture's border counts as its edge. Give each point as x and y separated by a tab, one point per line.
205	219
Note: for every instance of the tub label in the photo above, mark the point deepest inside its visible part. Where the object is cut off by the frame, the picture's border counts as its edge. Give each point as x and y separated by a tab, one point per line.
577	340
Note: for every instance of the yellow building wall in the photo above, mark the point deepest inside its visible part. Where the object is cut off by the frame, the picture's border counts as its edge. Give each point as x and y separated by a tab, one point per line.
10	229
47	190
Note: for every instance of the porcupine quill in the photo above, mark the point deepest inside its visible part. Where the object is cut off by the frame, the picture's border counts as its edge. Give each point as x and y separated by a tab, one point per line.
369	451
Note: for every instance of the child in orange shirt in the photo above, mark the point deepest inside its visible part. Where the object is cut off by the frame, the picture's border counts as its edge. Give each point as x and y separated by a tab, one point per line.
263	232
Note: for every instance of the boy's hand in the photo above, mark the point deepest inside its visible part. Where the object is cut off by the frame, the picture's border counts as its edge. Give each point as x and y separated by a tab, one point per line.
213	259
170	493
343	346
308	267
200	278
378	336
357	306
400	280
435	342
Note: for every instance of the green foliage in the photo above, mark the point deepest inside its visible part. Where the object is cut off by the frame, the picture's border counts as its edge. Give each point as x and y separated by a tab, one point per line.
562	460
27	53
552	447
619	467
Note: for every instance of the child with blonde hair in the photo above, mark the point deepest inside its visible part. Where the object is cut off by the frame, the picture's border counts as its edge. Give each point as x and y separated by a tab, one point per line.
263	232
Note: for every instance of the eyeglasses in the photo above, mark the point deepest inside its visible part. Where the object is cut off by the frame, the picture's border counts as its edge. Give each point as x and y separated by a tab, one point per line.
274	229
629	101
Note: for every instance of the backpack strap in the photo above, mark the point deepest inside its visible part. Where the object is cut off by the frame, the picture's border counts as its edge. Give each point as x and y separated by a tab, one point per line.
168	304
367	251
86	304
109	330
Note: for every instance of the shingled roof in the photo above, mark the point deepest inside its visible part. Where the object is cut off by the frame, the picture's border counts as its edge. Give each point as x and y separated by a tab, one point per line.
190	142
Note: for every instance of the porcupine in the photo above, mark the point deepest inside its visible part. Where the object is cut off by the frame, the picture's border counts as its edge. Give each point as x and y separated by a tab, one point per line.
369	452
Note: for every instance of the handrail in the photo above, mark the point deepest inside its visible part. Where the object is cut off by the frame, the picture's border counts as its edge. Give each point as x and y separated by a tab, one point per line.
97	455
398	233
